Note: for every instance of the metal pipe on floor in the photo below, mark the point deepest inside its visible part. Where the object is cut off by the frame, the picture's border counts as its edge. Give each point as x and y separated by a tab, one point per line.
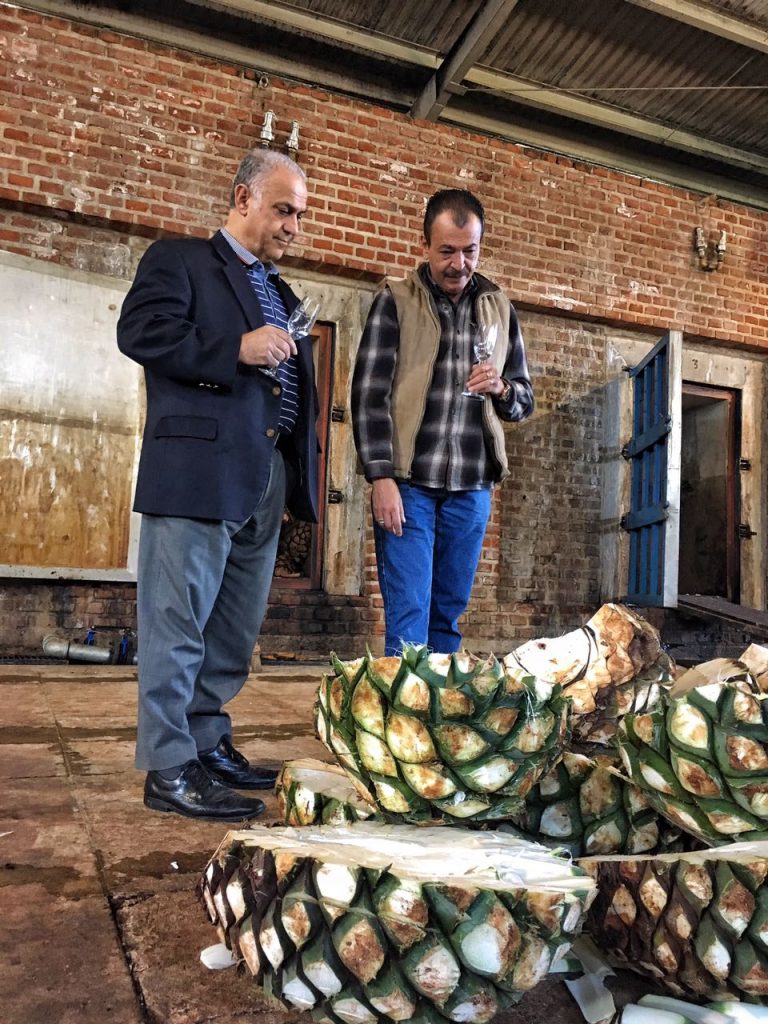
55	647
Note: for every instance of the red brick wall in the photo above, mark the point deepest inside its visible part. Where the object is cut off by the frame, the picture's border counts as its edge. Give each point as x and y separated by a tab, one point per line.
133	133
108	141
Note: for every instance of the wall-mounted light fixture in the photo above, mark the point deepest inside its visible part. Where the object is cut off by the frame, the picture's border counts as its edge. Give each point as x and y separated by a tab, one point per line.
267	135
293	141
710	254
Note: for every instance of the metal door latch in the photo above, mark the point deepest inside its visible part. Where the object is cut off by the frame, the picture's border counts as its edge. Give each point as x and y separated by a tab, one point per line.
744	531
335	497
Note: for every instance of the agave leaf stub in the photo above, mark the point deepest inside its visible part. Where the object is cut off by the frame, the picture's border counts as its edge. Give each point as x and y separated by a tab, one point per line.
310	792
368	708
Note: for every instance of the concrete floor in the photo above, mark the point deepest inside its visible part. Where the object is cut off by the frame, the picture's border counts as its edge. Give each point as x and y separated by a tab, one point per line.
99	921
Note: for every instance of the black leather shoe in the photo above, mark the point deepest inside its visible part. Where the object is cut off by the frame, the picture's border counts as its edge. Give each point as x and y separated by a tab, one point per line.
230	767
195	794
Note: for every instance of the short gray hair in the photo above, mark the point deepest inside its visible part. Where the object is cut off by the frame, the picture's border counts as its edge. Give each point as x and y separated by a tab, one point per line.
257	165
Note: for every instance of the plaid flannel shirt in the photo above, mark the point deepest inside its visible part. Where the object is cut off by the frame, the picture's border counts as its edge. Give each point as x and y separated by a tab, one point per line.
451	451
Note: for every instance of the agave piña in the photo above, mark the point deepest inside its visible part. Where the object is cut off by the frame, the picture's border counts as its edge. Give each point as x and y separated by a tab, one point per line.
702	755
441	737
609	667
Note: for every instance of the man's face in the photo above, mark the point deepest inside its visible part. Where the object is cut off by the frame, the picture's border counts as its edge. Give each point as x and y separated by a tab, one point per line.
267	221
453	252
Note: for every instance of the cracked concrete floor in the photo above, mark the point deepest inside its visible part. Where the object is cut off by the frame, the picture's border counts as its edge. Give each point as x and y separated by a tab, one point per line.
99	921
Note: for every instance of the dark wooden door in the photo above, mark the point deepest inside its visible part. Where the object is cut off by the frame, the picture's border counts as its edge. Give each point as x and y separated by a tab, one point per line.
299	562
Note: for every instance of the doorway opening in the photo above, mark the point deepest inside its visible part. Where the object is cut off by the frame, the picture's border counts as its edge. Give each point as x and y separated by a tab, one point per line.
709	498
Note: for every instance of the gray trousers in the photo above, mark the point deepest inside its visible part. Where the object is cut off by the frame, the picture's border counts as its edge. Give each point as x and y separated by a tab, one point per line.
202	595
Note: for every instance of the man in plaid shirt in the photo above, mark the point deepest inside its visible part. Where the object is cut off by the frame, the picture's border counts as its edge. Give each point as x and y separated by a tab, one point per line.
431	452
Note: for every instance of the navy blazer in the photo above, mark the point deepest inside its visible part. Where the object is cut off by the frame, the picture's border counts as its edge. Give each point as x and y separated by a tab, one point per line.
211	421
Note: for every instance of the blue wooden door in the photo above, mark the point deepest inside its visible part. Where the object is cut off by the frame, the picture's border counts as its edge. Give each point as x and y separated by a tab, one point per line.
654	453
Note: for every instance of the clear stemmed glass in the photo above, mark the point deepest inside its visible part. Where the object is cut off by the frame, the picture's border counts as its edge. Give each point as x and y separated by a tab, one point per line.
483	344
302	319
300	323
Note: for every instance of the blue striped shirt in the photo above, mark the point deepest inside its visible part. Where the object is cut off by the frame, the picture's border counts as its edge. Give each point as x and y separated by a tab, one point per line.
263	281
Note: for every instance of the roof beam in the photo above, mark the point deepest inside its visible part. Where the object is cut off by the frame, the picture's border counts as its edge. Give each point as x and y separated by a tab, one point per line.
328	28
603	154
708	20
612	118
472	42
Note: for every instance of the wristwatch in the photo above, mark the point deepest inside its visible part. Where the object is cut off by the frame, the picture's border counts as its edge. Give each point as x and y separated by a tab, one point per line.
506	394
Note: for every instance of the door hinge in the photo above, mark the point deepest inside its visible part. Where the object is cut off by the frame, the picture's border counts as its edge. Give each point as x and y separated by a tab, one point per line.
335	497
623	522
744	531
625	452
745	465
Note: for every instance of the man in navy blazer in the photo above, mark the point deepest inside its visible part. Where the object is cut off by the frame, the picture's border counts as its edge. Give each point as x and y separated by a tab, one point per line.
226	446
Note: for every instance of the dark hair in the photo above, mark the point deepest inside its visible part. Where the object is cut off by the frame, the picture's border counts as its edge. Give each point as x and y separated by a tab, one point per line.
257	165
459	202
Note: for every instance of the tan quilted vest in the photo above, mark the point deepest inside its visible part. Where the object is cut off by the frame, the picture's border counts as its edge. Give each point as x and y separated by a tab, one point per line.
416	354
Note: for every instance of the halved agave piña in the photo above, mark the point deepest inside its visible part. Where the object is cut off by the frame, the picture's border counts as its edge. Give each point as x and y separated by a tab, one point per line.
441	737
611	666
375	922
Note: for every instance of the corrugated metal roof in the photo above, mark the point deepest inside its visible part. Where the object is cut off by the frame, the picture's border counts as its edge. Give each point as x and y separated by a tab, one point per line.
434	24
621	55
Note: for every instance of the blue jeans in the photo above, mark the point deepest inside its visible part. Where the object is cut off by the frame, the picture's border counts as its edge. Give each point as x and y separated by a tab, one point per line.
426	576
203	586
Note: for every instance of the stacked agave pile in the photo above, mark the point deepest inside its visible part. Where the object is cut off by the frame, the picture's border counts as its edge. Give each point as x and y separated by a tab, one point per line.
453	739
378	922
388	923
614	665
435	737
